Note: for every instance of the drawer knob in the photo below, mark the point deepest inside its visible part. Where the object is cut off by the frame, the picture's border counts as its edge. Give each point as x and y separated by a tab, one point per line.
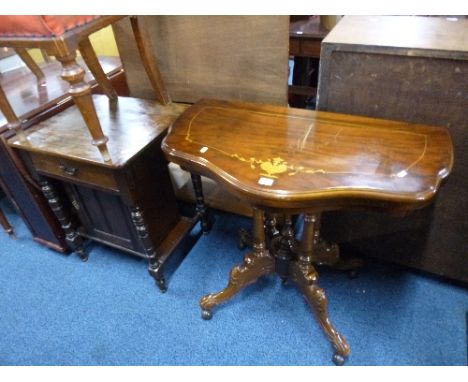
71	171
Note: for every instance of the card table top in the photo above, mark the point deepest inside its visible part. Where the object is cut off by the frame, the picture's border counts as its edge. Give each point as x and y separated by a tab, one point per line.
284	157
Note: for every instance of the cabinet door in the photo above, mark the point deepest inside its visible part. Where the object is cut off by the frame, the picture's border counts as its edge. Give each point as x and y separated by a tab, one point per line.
104	217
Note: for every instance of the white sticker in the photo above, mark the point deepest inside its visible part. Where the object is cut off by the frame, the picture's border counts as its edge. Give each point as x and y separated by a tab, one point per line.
204	149
265	181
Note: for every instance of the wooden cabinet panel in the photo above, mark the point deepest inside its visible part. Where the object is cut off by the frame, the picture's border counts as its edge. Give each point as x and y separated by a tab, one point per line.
411	69
128	203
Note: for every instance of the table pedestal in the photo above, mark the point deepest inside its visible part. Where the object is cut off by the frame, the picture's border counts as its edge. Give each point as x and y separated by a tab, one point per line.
278	252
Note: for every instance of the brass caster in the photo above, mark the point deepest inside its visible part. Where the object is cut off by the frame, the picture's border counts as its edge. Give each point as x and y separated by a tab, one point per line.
206	314
84	258
338	359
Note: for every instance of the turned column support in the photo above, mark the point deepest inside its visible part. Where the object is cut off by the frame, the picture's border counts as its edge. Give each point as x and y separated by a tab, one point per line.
200	203
155	268
81	93
309	239
74	240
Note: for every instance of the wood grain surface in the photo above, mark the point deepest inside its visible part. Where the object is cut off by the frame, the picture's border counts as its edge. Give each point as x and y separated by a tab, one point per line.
416	73
283	156
130	124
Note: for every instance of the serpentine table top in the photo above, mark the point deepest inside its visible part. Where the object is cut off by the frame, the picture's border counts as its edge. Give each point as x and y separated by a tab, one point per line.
279	157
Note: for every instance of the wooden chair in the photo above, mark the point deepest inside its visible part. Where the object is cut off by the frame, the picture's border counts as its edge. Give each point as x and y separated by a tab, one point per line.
61	36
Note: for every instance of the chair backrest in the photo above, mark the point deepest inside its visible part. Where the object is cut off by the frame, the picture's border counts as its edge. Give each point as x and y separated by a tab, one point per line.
225	57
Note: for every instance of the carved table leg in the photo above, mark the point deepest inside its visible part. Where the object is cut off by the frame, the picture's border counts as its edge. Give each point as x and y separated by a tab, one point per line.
81	93
155	268
6	225
256	263
91	60
200	203
303	273
71	236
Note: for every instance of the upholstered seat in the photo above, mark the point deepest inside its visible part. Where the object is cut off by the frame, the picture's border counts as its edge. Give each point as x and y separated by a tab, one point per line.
41	26
61	36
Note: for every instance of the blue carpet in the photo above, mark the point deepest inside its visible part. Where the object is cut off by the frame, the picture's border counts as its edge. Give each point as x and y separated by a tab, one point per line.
56	310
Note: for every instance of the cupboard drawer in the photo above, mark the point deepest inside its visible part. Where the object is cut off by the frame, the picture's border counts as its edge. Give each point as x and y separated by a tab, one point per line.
75	171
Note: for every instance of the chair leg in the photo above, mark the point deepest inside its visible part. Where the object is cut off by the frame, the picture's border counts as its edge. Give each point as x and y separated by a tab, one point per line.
91	60
45	56
13	122
149	61
81	93
31	64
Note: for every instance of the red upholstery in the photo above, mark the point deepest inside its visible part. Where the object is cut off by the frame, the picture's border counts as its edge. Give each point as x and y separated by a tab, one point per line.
40	26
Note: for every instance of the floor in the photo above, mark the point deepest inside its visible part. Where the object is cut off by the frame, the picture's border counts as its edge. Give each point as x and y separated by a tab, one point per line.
57	310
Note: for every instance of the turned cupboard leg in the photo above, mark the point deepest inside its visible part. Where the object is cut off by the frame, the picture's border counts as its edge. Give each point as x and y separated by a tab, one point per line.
74	240
155	268
200	203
